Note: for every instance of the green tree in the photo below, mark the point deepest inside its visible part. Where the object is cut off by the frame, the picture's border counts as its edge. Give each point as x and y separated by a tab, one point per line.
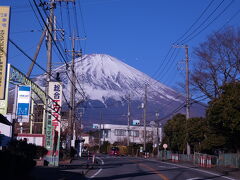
175	133
197	130
178	132
223	116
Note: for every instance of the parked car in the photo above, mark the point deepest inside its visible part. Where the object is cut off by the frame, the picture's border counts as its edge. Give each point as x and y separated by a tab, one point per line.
115	151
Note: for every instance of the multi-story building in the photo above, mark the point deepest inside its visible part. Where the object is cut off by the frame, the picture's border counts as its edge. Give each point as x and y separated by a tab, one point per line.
120	133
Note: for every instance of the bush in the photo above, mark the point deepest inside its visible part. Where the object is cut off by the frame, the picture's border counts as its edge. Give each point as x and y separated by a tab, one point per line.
105	147
18	159
40	152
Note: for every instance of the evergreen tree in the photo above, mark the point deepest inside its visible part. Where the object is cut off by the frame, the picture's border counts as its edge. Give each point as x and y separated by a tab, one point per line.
223	116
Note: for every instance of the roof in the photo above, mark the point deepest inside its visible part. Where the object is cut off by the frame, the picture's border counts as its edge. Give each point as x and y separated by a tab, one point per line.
4	120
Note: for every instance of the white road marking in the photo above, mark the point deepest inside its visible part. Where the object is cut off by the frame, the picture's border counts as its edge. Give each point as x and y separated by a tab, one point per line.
199	170
196	178
169	167
99	169
72	170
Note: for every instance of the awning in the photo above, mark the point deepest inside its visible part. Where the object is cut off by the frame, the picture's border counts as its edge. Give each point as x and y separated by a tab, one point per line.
4	120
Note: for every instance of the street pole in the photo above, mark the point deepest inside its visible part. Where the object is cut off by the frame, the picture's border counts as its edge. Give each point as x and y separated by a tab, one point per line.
145	116
187	94
36	53
72	95
187	97
157	115
72	113
49	43
100	132
49	52
129	114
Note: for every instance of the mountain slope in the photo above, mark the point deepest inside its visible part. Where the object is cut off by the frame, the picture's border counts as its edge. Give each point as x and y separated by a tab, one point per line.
107	82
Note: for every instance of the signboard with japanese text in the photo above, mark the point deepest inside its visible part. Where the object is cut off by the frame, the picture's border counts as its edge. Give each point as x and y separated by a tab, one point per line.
23	103
4	29
4	102
53	123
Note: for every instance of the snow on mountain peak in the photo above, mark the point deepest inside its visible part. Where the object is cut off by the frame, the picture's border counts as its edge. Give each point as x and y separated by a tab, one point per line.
102	76
105	76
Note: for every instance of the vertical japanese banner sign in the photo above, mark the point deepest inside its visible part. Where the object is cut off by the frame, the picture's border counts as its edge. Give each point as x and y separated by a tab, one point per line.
23	103
4	102
4	28
53	123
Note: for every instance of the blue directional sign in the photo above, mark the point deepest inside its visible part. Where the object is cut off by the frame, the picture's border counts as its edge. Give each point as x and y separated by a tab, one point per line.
23	102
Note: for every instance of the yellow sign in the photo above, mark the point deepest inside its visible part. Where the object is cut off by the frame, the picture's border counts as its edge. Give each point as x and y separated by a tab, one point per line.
4	102
4	28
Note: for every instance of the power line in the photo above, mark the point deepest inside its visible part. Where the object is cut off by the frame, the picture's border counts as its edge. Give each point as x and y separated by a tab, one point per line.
46	26
83	24
56	46
205	20
24	53
230	19
219	15
35	14
195	22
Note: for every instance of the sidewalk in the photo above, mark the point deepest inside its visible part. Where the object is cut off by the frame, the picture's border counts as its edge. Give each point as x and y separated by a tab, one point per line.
75	170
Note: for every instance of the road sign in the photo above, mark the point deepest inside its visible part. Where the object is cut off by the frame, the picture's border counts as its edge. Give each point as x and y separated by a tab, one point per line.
165	146
23	103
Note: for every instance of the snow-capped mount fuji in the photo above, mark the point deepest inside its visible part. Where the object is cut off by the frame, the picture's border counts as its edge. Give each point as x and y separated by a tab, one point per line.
107	81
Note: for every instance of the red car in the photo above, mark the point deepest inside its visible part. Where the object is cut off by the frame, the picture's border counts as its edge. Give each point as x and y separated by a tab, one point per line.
115	151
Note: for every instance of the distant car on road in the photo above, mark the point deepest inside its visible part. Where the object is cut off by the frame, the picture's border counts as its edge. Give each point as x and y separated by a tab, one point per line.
115	151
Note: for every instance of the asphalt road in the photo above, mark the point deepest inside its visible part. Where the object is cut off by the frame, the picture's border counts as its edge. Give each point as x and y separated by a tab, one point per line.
130	168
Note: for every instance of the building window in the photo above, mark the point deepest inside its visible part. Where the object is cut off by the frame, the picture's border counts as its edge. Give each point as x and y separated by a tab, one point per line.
120	132
134	133
149	133
105	133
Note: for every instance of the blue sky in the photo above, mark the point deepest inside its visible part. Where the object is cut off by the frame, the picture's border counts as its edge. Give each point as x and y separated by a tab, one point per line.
138	32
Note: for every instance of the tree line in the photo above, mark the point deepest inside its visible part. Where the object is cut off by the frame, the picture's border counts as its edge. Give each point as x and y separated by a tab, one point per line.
216	75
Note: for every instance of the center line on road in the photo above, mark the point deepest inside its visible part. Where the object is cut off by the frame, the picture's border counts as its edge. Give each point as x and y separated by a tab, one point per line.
155	171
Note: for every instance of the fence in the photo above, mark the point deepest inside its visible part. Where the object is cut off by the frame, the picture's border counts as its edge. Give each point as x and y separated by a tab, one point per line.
203	160
229	160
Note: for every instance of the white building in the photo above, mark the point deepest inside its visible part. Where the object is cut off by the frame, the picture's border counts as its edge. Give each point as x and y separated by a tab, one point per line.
119	133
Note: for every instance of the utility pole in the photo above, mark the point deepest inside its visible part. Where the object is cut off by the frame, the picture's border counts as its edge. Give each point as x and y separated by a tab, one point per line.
99	137
157	115
187	83
103	134
100	130
145	116
129	116
187	93
71	123
49	54
49	39
36	53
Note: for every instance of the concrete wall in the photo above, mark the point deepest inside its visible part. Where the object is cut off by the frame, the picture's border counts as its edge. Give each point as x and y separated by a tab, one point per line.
119	133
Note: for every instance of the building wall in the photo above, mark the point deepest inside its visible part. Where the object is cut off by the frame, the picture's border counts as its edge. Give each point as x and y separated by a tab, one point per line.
119	133
86	138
